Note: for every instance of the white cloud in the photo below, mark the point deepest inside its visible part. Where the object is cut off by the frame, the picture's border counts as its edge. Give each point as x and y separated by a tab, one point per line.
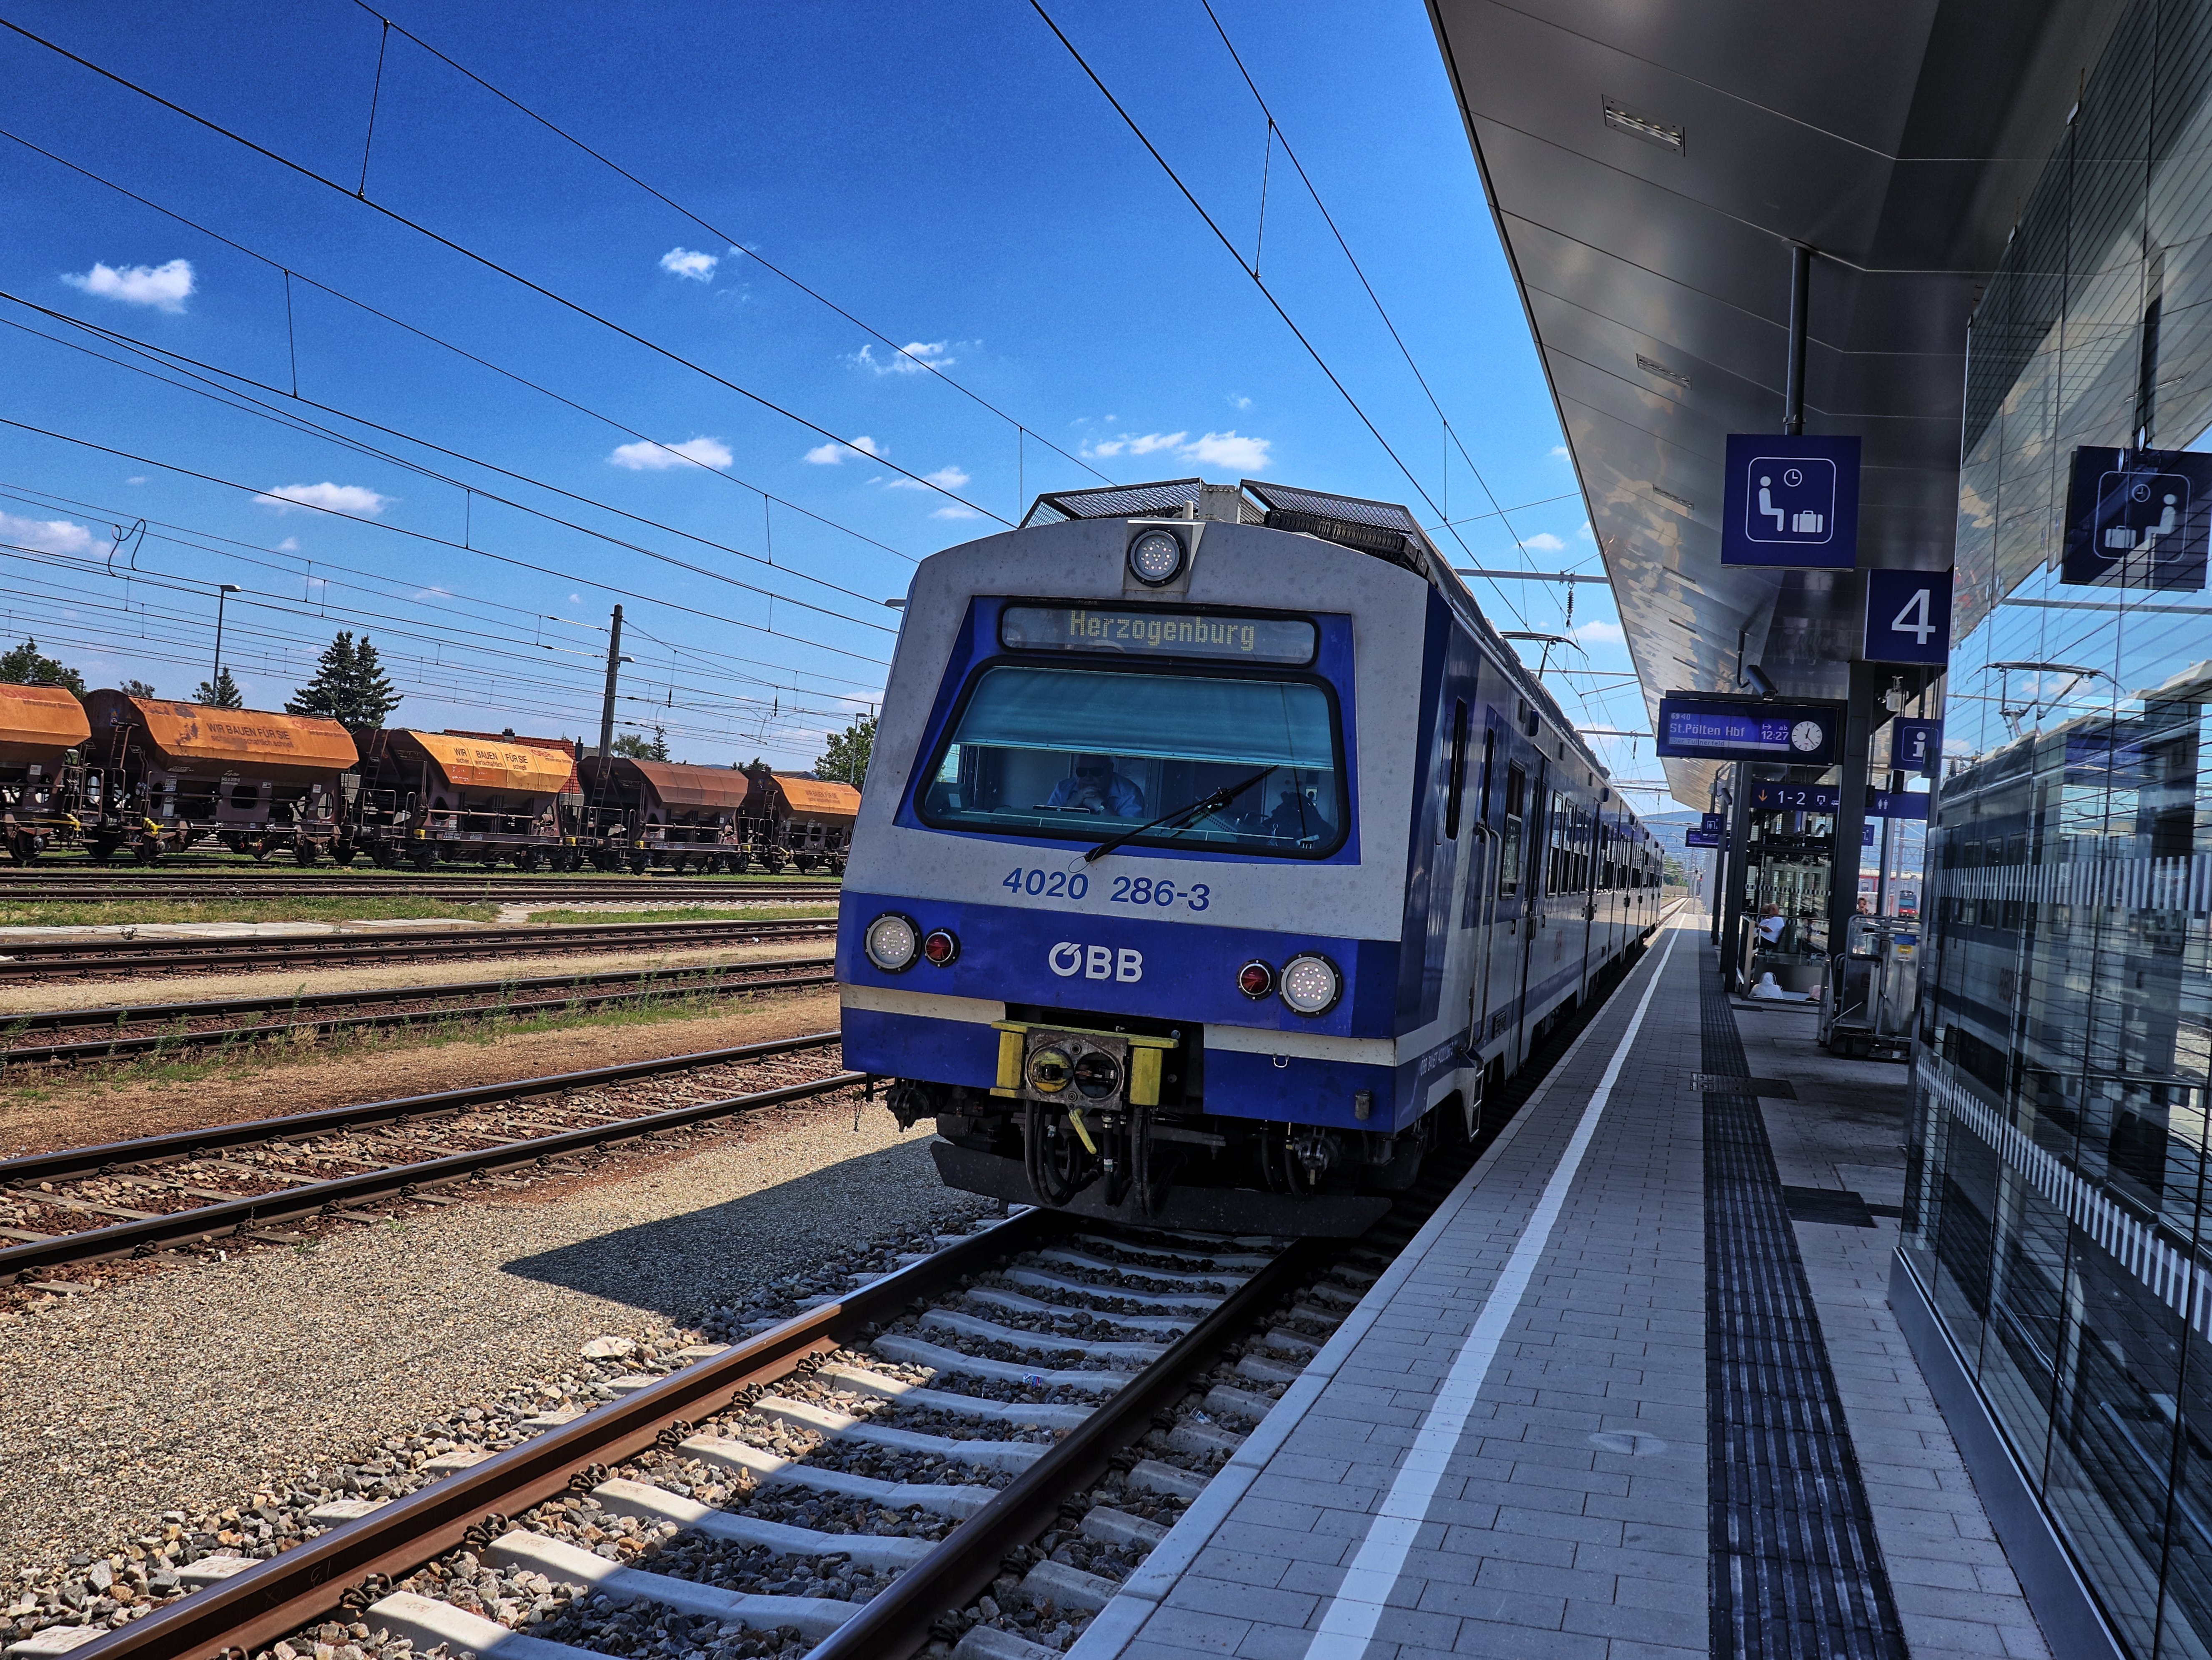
1545	542
956	512
644	456
140	479
1137	444
950	478
290	544
828	455
165	288
1559	451
333	498
1586	533
576	599
1603	634
46	535
683	261
1230	450
915	357
1237	400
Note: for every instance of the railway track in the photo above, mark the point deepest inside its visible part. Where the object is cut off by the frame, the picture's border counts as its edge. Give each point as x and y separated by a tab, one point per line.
163	1029
143	1197
478	885
89	958
972	1450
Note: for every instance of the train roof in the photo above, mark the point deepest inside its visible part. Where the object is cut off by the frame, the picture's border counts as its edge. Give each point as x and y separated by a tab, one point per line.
192	737
679	784
817	795
1382	530
501	763
39	724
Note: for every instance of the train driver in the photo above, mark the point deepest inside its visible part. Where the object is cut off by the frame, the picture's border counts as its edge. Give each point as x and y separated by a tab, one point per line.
1096	787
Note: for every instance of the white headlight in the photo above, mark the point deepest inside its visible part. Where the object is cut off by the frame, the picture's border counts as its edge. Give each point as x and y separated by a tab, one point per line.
891	942
1156	556
1310	985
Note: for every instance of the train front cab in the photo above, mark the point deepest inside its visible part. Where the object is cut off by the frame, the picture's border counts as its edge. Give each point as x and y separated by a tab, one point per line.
1277	1004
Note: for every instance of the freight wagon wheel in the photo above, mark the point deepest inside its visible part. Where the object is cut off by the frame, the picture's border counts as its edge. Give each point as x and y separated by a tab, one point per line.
342	854
305	852
640	863
425	857
778	861
147	852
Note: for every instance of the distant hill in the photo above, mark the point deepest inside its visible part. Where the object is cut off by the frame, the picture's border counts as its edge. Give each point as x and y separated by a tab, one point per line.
1668	830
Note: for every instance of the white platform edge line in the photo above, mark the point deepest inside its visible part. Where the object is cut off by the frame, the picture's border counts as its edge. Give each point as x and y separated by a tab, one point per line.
1120	1622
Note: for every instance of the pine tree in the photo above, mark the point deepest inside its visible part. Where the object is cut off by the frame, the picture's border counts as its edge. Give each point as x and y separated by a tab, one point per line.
639	747
222	694
350	686
845	759
26	666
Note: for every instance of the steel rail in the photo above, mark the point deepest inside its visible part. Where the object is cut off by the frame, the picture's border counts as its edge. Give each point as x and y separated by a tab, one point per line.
144	1238
313	1579
722	979
111	955
137	1014
895	1623
105	1158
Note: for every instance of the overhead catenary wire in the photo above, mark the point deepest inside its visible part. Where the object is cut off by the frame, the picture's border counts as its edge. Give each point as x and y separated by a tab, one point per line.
423	536
493	266
725	237
248	404
445	344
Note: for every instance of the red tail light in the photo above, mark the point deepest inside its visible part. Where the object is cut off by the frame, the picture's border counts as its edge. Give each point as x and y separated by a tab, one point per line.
1255	980
939	947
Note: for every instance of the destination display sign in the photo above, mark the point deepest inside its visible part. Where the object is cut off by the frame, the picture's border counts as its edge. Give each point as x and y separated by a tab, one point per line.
1701	838
1697	727
1150	632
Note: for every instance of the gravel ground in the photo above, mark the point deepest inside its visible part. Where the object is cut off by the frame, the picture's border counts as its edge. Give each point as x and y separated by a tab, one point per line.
64	1109
190	1390
16	999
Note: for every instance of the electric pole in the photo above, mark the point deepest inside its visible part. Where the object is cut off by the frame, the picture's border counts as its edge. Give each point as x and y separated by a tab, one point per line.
615	661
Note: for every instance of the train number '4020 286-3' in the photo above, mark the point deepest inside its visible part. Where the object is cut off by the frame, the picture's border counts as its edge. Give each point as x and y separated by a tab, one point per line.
1157	892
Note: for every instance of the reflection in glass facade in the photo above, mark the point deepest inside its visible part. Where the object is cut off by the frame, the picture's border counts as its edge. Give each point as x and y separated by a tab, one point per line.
2055	1194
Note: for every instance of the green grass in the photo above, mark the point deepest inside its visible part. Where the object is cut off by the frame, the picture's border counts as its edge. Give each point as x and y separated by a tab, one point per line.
308	907
692	913
234	1061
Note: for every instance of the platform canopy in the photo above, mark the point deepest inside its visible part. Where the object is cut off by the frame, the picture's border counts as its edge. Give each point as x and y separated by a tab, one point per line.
1651	167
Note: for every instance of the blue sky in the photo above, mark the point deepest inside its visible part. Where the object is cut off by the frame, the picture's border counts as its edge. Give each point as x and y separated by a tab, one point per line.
946	175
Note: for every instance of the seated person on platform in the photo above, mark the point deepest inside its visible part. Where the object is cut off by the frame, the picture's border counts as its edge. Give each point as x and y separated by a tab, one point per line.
1096	787
1772	925
1297	820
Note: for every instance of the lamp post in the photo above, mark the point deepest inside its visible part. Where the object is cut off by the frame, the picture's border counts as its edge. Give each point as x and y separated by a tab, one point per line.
223	591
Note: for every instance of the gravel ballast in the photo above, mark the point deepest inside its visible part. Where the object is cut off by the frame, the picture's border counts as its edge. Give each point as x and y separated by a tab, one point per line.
188	1391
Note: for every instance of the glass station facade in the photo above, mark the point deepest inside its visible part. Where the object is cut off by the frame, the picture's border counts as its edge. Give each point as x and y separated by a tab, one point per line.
2056	1204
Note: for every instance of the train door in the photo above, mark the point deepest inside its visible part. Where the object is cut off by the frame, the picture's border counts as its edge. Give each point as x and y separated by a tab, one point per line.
1450	909
1533	874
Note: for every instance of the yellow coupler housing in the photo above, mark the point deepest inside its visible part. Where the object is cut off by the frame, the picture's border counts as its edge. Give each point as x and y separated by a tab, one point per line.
1145	1053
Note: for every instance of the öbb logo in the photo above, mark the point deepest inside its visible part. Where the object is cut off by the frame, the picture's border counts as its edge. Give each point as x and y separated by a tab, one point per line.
1069	959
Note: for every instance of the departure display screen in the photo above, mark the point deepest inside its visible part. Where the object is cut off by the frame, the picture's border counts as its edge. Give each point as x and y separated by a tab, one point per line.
1151	633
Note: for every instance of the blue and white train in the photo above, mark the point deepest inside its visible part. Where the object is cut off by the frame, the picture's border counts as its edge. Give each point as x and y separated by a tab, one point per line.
1217	859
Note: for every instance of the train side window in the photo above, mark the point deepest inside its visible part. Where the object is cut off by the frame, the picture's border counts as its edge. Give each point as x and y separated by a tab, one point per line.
1489	757
1456	783
1509	840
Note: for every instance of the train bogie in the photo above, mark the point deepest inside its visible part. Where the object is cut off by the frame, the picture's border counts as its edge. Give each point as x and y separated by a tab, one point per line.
1212	868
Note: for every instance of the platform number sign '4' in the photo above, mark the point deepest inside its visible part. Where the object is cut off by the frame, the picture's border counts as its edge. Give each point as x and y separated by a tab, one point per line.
1908	616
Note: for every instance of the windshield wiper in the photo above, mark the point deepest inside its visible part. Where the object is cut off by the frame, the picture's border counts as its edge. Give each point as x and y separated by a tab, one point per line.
1190	813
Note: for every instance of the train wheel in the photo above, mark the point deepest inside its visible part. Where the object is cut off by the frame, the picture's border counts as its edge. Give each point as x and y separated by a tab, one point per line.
425	857
147	852
640	863
342	854
305	852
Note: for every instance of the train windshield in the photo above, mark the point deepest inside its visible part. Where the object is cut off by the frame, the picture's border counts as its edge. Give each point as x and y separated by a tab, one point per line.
1093	753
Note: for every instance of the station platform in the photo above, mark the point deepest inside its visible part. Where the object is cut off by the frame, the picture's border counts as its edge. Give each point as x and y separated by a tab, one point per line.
1633	1392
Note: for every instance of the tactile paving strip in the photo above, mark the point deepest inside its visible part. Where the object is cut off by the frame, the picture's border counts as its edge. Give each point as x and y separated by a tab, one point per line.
1794	1565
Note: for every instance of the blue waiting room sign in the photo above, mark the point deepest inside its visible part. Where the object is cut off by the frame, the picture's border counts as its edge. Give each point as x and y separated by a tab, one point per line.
2136	518
1790	500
